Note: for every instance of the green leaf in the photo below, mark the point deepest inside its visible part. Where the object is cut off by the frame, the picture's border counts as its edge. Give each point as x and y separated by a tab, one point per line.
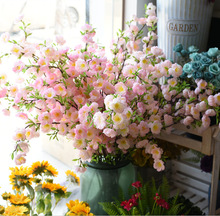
58	197
40	206
31	191
67	194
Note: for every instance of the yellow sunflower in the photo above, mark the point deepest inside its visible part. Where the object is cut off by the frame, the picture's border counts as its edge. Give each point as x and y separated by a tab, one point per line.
51	171
53	187
6	196
43	167
2	209
19	199
72	177
15	210
19	177
78	208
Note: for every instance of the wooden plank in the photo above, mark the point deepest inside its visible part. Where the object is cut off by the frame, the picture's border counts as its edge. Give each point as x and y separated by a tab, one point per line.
215	178
188	130
207	142
196	199
176	191
180	140
206	210
193	190
203	204
191	182
188	194
191	171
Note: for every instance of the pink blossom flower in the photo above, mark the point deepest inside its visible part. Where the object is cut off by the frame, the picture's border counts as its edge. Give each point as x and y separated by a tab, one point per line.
158	165
24	147
43	62
22	115
16	50
156	51
3	92
20	159
49	93
108	88
45	117
62	129
19	135
86	28
206	121
202	84
151	20
60	89
81	65
188	120
141	107
142	144
91	133
99	120
6	112
175	70
202	106
118	119
19	18
197	91
134	29
60	40
172	82
123	143
133	130
210	112
79	100
128	71
117	105
110	132
120	88
216	99
156	153
79	144
139	88
195	113
142	21
56	114
211	100
5	37
143	128
46	127
94	95
156	127
80	131
168	120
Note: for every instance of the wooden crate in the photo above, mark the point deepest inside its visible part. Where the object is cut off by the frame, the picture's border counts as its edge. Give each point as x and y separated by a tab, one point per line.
191	182
194	183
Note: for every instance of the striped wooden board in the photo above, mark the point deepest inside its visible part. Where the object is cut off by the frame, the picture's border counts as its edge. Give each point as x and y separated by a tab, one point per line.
191	182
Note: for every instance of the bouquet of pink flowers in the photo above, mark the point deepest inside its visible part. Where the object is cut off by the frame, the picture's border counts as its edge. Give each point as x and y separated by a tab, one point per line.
107	107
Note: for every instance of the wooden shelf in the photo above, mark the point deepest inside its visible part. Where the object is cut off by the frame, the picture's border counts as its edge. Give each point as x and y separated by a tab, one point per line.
209	145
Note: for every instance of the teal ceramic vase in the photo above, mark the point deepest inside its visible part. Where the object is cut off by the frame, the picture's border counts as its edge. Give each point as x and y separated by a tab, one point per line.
102	182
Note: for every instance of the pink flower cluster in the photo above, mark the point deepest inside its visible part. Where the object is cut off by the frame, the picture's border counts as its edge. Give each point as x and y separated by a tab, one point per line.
105	106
